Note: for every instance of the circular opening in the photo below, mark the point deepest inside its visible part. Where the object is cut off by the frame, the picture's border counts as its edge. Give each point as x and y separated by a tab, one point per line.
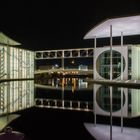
103	64
103	98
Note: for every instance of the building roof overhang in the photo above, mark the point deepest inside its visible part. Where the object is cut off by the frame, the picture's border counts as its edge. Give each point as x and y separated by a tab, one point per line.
4	39
126	25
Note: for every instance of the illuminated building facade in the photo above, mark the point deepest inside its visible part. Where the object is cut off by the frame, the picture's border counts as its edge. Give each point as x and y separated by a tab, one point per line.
15	63
101	61
131	71
131	66
116	62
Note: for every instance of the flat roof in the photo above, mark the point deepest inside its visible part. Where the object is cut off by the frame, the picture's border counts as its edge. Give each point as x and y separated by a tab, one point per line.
128	25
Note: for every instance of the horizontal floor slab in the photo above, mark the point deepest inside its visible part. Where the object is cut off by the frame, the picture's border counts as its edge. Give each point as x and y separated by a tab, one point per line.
102	132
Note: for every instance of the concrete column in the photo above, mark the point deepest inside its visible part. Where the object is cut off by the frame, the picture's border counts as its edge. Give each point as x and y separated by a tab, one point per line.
94	77
121	56
111	113
110	52
121	79
110	79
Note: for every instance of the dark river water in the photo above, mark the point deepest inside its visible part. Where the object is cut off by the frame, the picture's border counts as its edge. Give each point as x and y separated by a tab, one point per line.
62	106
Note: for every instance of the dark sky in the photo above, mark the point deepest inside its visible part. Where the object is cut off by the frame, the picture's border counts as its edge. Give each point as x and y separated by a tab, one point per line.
58	24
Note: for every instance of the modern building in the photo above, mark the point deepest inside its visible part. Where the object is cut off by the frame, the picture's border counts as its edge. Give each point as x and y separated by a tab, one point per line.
15	64
116	62
109	62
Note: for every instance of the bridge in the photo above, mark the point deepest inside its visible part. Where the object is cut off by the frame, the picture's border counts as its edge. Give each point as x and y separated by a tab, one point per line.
66	71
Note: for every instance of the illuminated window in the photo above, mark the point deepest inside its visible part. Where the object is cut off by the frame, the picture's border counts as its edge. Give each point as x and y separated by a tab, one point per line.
103	64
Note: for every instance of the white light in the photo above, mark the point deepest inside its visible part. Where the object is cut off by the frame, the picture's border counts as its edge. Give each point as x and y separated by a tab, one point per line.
101	132
127	25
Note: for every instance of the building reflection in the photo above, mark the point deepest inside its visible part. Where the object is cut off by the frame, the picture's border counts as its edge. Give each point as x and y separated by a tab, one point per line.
96	97
72	83
130	101
13	98
16	65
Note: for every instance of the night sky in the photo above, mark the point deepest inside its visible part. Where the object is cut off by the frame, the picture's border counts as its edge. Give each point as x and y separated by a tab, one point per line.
40	25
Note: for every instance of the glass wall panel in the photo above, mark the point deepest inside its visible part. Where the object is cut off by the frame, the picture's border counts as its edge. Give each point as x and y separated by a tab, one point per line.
103	64
16	63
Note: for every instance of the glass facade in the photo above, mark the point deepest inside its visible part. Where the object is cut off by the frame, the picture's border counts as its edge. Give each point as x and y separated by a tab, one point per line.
13	97
103	64
16	63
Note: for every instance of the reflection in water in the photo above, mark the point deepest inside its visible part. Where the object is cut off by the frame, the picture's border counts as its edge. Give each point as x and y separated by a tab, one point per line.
16	95
73	83
128	101
103	98
65	93
9	134
61	96
134	99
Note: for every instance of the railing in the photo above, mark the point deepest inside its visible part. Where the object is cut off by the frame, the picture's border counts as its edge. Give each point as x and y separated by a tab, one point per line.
64	104
66	53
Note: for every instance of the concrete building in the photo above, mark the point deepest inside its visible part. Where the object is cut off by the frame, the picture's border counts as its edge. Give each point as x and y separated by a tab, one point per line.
116	62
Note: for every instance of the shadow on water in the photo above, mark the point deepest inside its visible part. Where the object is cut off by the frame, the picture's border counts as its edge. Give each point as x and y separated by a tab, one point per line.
43	123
